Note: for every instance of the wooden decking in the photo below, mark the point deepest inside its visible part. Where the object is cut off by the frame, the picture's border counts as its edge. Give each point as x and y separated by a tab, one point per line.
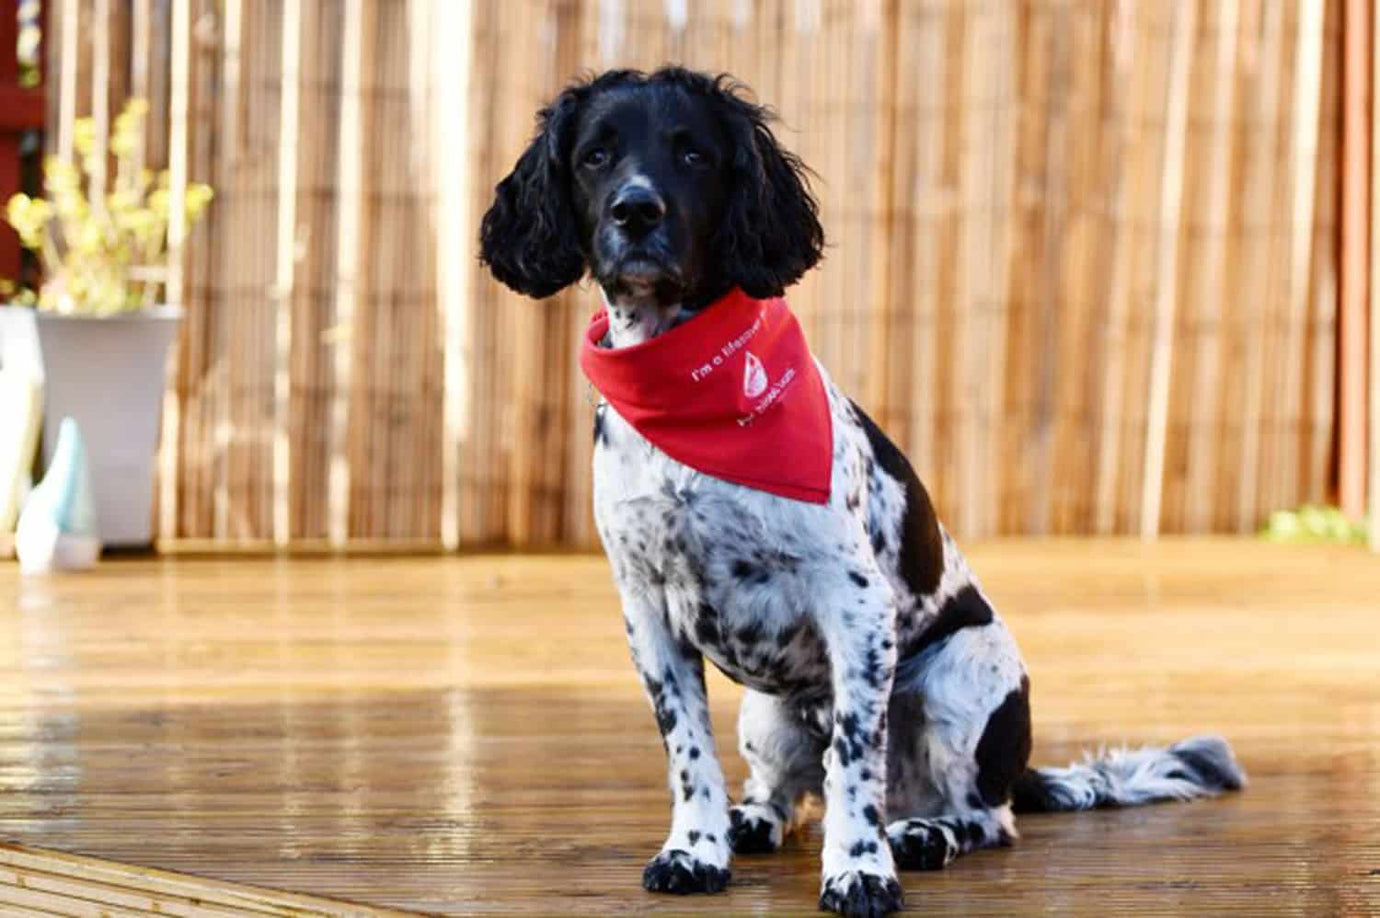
465	735
40	882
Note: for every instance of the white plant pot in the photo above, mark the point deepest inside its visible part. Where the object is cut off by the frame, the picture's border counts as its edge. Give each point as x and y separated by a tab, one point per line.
108	373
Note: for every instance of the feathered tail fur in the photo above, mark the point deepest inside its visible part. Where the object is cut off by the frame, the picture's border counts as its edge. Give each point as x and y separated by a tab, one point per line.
1202	766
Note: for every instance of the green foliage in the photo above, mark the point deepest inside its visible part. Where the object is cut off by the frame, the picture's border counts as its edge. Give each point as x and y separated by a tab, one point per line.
1312	524
102	254
10	292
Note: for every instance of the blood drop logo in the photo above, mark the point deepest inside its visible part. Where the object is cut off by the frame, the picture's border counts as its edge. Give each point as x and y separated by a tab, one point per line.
754	376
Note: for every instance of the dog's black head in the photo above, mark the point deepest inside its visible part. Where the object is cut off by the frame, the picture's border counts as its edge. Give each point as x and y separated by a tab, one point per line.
667	185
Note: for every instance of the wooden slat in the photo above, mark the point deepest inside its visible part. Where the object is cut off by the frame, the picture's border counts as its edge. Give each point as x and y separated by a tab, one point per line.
1125	63
1373	483
1185	27
349	264
53	883
67	79
1261	173
1205	409
1307	104
1357	54
99	34
231	208
454	133
285	262
180	86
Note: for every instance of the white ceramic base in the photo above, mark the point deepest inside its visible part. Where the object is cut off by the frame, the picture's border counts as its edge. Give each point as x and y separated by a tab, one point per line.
42	549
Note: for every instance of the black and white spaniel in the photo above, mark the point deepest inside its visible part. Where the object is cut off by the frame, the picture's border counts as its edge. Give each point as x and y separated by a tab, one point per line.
878	675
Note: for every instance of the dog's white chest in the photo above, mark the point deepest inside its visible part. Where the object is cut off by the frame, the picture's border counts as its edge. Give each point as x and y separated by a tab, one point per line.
732	565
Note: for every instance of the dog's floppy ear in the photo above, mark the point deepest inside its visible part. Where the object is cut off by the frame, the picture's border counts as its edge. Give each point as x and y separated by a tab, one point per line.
529	237
771	234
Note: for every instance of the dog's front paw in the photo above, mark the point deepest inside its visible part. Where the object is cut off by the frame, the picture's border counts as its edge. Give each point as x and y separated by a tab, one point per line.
754	829
861	895
679	872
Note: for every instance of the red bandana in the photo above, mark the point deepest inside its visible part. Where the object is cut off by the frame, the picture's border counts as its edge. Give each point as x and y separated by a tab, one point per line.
733	393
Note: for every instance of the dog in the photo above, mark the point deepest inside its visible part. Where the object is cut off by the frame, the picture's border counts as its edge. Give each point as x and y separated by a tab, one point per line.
877	673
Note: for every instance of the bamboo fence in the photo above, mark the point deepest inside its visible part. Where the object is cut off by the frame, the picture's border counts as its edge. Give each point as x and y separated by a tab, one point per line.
1083	265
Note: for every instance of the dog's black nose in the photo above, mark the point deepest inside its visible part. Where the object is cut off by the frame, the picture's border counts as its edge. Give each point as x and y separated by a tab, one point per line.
637	210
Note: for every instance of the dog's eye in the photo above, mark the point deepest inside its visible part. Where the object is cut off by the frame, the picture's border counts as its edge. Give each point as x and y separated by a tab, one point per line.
693	158
595	158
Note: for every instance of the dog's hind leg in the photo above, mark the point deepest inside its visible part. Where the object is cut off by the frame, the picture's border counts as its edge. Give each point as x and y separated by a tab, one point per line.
960	738
786	761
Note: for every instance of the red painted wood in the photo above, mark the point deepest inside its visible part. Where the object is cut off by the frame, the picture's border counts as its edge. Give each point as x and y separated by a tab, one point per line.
20	110
9	42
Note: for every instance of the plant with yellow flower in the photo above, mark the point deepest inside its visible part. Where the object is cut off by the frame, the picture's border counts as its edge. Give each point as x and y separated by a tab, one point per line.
103	251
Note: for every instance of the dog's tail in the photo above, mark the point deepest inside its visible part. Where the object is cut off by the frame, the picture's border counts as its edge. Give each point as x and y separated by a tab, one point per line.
1202	766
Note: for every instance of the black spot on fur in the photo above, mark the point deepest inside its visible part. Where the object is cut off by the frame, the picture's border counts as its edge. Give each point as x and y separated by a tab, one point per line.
601	434
1004	749
751	573
866	895
872	816
749	835
922	847
1204	771
693	836
665	714
920	559
750	633
707	631
676	871
848	747
848	723
857	578
860	848
874	672
1031	793
965	609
